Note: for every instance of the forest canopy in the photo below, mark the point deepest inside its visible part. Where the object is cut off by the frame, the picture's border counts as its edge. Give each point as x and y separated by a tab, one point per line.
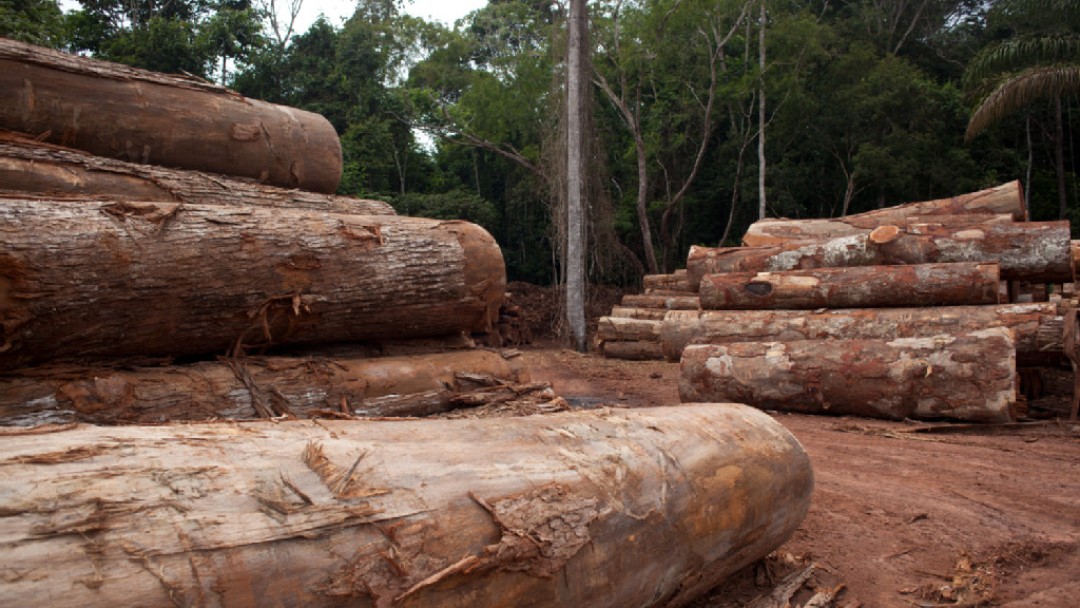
862	103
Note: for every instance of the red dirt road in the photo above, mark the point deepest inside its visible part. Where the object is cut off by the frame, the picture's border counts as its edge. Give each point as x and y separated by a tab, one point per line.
903	519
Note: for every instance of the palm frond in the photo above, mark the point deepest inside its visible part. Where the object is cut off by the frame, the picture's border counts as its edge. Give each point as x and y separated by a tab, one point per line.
1021	53
1021	90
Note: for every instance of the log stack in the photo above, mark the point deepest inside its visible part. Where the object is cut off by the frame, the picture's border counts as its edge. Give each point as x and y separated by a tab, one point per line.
632	330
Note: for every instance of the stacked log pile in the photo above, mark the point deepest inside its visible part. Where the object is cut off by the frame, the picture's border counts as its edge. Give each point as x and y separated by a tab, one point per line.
895	313
632	330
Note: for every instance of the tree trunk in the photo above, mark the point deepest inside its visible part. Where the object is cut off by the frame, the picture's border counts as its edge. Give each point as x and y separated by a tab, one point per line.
86	279
681	328
1004	199
770	233
674	281
967	377
762	206
568	509
1074	254
628	312
662	302
623	329
1028	251
632	350
576	168
27	166
859	287
251	388
122	112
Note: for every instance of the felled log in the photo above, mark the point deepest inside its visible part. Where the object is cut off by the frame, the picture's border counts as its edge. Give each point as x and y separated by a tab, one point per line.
1036	327
91	279
674	281
772	232
1074	254
1007	199
856	287
629	312
621	328
687	302
1028	251
31	167
966	377
570	509
632	350
251	388
122	112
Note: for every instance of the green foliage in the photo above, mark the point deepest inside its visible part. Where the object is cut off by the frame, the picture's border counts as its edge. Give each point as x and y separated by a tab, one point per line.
452	205
34	21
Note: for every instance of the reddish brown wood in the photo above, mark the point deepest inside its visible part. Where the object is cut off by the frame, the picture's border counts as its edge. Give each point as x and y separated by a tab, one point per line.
1029	251
628	312
675	281
1036	327
419	385
686	302
620	328
28	166
82	279
121	112
1007	199
966	377
632	350
569	509
857	287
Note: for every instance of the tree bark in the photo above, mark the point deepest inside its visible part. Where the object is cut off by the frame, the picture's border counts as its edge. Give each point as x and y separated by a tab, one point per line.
27	166
628	312
674	281
131	114
623	329
1029	251
90	279
632	350
576	168
770	233
251	388
662	302
967	377
569	509
1004	199
681	328
858	287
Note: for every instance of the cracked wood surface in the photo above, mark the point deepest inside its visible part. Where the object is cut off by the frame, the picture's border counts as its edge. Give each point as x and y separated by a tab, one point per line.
121	112
95	279
966	377
569	509
28	166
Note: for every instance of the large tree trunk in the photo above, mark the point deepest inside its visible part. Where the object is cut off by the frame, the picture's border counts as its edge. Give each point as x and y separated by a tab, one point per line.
27	166
577	107
131	114
1028	322
687	302
1028	251
965	377
858	287
86	279
251	388
620	329
569	509
1004	199
770	233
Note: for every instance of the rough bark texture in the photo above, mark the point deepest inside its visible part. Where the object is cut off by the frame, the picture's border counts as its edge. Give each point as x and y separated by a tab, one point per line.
1004	199
122	112
28	166
968	377
687	302
772	232
629	312
1029	251
251	388
858	287
569	509
675	281
114	279
620	328
1036	327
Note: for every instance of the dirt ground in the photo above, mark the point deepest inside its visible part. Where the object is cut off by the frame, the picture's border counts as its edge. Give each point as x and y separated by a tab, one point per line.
970	518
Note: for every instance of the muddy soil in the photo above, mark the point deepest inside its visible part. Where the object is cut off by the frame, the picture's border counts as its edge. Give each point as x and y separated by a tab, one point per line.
971	518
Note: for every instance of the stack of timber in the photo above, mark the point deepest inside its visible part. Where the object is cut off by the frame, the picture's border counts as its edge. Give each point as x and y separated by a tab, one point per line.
632	330
895	313
172	251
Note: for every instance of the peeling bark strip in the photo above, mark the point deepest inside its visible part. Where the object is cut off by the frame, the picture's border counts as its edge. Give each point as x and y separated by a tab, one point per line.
406	513
1028	251
1004	199
966	377
1029	323
687	302
251	388
121	112
116	279
857	287
28	166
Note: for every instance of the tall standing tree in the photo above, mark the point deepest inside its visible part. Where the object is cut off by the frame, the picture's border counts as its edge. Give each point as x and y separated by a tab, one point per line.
577	87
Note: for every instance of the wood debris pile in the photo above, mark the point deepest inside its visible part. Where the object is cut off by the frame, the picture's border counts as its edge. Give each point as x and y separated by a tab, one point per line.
924	310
